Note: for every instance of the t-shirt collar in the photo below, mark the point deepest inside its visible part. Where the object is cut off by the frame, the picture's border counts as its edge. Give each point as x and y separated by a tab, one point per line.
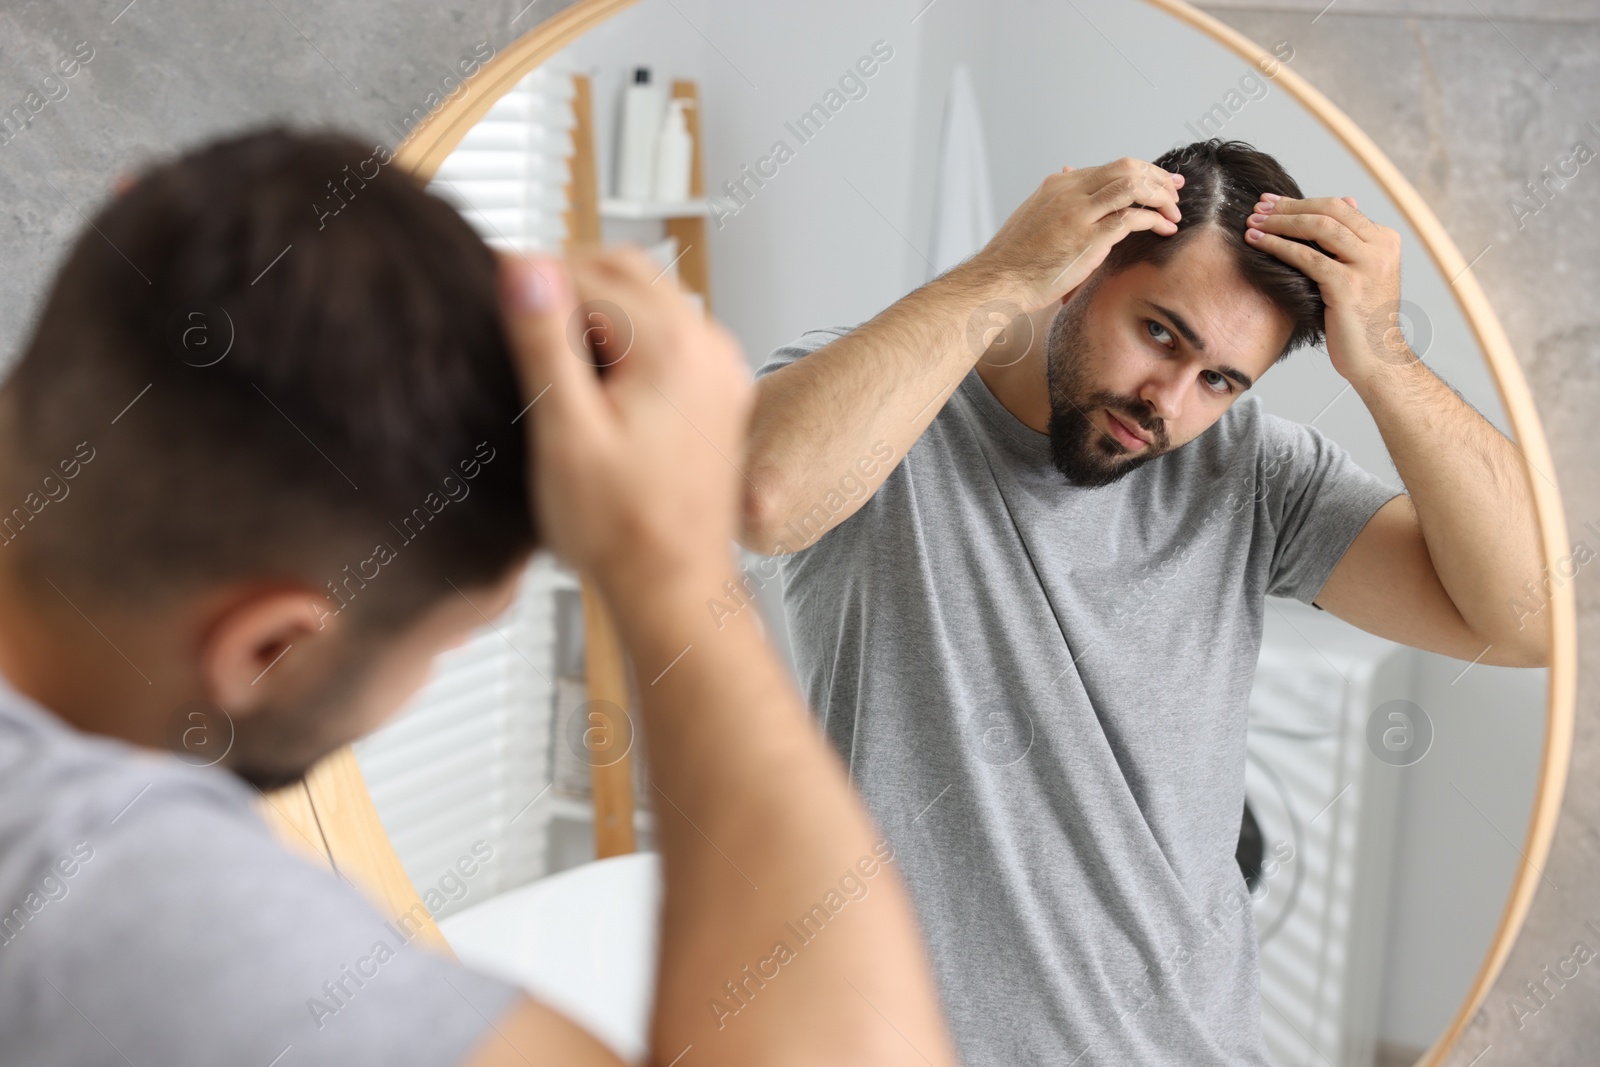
1034	445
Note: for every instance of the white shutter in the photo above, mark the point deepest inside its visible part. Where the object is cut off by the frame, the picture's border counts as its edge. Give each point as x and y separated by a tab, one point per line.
509	174
466	759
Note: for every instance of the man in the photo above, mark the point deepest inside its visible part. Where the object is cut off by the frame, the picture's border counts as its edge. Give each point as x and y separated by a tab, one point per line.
222	409
1025	577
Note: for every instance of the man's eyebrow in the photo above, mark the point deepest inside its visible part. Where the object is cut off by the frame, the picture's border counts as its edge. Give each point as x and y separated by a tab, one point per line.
1181	324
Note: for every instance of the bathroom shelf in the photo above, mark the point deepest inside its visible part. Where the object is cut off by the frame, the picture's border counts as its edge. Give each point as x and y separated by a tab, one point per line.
683	221
612	208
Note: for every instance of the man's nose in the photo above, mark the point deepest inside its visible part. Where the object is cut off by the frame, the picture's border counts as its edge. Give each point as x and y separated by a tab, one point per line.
1164	394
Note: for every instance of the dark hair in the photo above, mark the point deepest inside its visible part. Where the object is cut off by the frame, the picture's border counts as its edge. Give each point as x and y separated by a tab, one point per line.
1222	182
286	362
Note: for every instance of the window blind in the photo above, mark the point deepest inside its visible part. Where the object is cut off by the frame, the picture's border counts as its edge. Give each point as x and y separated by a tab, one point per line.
460	774
509	174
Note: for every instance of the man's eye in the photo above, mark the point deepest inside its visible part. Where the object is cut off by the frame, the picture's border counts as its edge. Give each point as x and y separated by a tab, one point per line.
1219	382
1157	331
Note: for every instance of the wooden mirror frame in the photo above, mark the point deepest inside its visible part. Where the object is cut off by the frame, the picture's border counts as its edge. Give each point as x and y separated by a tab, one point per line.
333	817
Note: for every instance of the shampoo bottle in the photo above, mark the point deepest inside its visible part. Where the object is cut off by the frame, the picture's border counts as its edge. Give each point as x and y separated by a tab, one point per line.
636	138
674	155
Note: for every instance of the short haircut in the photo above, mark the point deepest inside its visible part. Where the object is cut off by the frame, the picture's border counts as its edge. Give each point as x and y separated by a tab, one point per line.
1223	180
360	434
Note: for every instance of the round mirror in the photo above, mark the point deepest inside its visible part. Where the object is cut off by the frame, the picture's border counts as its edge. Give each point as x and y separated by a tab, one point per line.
806	167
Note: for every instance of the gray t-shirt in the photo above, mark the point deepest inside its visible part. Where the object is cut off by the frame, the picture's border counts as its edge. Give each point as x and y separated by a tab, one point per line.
1041	694
151	918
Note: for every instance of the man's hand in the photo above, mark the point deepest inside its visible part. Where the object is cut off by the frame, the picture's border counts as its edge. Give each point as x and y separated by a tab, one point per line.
631	470
1357	267
1448	569
1063	231
635	484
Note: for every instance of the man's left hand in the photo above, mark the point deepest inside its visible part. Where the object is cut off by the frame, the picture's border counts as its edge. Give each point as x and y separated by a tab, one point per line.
1356	264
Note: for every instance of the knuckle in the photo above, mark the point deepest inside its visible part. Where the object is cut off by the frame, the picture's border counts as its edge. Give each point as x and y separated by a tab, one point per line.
1114	221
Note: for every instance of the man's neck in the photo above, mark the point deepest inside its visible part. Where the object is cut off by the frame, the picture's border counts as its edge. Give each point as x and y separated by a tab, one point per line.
68	664
1021	385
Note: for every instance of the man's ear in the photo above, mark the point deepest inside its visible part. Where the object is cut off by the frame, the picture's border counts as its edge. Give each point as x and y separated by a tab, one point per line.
250	638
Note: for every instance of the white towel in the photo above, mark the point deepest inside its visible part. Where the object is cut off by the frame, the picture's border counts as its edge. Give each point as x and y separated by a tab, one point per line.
963	207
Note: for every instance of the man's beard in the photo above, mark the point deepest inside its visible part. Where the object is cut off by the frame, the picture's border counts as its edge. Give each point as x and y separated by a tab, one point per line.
255	748
271	779
275	746
1085	454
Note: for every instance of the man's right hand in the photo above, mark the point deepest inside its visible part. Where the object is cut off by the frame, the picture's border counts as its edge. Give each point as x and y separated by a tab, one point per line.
1063	231
631	489
631	475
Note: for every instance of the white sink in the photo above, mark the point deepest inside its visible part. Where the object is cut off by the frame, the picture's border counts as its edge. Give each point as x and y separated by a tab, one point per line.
583	941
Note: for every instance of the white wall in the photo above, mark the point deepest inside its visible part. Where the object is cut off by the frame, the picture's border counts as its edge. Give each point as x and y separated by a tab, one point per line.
808	250
1465	815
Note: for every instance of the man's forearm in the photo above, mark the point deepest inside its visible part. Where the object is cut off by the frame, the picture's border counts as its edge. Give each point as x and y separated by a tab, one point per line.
758	827
870	393
1472	498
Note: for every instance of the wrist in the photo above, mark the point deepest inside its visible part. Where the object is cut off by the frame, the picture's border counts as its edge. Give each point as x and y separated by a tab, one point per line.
981	281
658	586
1394	370
660	617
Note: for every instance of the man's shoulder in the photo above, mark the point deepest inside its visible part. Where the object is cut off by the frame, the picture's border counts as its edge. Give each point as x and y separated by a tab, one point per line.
1248	420
1248	430
42	751
62	791
1224	446
1246	451
803	345
155	896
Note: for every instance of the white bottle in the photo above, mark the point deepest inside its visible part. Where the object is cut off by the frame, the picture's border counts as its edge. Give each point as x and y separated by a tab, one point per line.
674	155
636	137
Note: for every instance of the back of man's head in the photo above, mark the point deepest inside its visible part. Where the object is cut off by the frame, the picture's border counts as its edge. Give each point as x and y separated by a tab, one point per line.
1223	180
286	363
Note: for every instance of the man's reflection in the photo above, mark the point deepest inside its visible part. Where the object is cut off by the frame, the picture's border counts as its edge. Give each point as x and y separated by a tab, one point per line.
1034	634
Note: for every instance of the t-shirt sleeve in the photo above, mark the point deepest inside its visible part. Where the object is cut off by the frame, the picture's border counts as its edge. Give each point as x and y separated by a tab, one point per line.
187	934
1319	500
804	345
